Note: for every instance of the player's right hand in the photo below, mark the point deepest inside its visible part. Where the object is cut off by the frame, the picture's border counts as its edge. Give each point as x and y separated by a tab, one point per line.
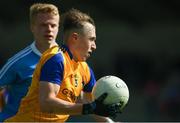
99	108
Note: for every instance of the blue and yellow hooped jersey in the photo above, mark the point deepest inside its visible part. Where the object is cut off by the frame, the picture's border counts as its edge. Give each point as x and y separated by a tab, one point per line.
58	67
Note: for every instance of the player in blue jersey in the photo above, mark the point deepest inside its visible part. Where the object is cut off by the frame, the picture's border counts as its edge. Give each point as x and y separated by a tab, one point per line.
16	74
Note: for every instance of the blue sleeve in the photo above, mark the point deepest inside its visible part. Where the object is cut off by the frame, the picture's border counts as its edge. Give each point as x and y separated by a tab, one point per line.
52	70
7	74
89	86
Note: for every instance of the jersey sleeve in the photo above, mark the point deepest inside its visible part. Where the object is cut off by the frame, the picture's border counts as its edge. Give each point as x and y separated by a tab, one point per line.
7	74
89	86
52	70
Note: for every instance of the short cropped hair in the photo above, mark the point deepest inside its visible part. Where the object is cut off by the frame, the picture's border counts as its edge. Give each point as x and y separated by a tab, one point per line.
37	8
74	19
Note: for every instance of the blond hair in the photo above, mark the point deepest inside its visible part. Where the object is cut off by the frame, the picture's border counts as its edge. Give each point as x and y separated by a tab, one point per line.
37	8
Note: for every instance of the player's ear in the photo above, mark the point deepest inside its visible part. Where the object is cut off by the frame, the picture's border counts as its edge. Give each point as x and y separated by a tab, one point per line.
75	35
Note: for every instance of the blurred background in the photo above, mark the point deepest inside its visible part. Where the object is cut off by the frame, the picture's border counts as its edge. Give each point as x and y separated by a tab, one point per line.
137	40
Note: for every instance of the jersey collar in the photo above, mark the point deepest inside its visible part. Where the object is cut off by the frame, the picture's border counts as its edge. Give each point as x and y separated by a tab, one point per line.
35	50
64	47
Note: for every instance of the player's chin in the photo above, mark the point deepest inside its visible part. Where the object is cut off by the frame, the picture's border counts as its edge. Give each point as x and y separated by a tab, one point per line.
49	39
83	59
87	56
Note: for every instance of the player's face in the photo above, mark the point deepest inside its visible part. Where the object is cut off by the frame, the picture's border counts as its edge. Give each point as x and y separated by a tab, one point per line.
85	43
45	27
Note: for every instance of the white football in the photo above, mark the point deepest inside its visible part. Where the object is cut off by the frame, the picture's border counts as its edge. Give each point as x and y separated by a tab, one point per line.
116	88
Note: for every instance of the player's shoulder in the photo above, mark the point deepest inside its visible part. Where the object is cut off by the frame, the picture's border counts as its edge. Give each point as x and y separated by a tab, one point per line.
21	54
54	54
19	57
51	51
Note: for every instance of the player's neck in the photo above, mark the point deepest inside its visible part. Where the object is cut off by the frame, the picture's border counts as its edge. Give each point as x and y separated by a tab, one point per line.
44	46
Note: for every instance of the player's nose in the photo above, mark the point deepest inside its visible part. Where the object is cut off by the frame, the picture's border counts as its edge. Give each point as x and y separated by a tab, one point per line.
93	46
49	28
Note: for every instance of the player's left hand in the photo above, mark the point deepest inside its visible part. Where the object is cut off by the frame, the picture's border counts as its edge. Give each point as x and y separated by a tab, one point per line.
99	108
114	109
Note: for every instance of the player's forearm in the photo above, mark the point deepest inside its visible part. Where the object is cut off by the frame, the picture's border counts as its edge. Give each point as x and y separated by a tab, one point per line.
58	106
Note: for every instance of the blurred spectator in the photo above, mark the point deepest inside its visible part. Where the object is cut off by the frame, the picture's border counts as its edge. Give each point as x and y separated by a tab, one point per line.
151	93
170	97
134	69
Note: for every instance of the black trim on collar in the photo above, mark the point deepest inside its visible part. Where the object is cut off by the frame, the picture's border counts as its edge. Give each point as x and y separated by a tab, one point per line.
65	48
